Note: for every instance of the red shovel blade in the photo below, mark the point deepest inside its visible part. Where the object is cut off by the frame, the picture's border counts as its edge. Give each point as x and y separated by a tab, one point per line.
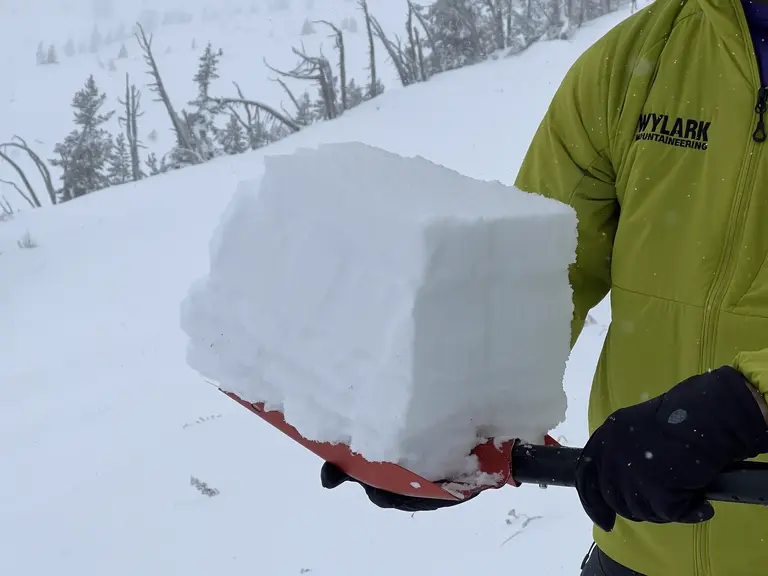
494	461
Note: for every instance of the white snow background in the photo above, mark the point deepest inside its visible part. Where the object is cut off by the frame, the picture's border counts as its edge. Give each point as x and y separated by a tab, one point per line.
107	436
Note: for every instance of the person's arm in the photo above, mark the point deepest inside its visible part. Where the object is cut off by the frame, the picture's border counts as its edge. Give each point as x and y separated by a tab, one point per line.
569	160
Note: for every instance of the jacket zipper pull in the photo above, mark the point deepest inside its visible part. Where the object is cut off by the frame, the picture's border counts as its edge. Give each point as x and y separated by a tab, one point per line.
759	135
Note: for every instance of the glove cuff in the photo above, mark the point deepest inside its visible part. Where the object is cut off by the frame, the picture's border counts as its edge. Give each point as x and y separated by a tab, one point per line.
720	409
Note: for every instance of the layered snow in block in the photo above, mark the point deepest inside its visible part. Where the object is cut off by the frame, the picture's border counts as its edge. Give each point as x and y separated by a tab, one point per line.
390	304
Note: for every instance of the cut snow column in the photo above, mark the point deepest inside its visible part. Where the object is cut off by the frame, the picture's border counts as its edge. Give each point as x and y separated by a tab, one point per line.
390	304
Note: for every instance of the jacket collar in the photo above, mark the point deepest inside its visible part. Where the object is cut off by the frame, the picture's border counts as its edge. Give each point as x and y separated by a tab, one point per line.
730	25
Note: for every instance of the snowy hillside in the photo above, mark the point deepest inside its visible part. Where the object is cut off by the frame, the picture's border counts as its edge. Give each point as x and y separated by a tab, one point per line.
35	101
106	435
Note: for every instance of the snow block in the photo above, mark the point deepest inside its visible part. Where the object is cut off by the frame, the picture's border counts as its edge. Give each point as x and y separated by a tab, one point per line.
390	304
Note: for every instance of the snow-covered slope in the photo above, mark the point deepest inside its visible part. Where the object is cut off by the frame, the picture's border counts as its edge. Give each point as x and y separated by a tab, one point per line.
35	101
103	425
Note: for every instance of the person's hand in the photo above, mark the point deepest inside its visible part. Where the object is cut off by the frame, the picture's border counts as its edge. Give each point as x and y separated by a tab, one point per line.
332	476
651	462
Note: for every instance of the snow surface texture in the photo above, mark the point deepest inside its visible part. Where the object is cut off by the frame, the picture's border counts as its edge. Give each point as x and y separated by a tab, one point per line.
390	304
102	425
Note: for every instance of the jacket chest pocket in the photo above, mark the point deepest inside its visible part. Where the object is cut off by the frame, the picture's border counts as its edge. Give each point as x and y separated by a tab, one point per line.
676	194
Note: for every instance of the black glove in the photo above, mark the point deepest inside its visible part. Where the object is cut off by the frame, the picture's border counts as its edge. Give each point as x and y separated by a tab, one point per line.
652	461
332	476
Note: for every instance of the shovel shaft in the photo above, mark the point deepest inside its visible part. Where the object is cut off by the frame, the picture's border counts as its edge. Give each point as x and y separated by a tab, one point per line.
746	482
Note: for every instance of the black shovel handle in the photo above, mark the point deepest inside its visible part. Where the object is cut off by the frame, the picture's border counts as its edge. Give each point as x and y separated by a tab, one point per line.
746	482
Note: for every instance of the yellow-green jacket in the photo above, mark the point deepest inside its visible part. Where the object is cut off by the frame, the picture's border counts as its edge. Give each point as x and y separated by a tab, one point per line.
650	139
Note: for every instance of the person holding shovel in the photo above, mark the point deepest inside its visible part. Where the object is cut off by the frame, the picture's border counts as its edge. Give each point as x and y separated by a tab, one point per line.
657	139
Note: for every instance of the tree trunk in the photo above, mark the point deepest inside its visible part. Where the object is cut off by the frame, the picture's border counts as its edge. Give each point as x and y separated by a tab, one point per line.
130	121
508	35
430	37
371	50
424	73
183	137
342	63
342	71
394	54
135	160
497	15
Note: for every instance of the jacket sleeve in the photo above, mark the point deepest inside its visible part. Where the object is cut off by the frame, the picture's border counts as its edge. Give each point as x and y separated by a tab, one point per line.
568	160
754	366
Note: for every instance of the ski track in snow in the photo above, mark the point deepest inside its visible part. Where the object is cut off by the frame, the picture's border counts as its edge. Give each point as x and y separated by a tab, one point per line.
107	436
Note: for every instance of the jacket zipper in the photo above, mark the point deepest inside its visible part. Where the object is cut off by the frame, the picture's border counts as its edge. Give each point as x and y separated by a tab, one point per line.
720	285
722	274
759	134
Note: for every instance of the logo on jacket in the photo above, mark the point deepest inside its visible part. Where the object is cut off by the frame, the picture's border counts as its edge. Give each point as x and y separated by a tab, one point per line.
680	132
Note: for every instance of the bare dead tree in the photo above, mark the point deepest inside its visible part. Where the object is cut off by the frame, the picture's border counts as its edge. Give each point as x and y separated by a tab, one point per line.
496	8
316	69
290	94
339	44
293	126
374	89
5	206
183	136
327	87
19	190
522	29
253	124
416	10
415	49
420	55
32	198
395	52
132	103
560	17
21	144
412	48
468	19
508	35
557	24
302	116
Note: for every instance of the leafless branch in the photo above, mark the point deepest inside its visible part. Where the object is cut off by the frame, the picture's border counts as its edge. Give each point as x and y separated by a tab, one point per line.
20	191
259	105
41	166
394	51
32	199
6	206
289	92
317	69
